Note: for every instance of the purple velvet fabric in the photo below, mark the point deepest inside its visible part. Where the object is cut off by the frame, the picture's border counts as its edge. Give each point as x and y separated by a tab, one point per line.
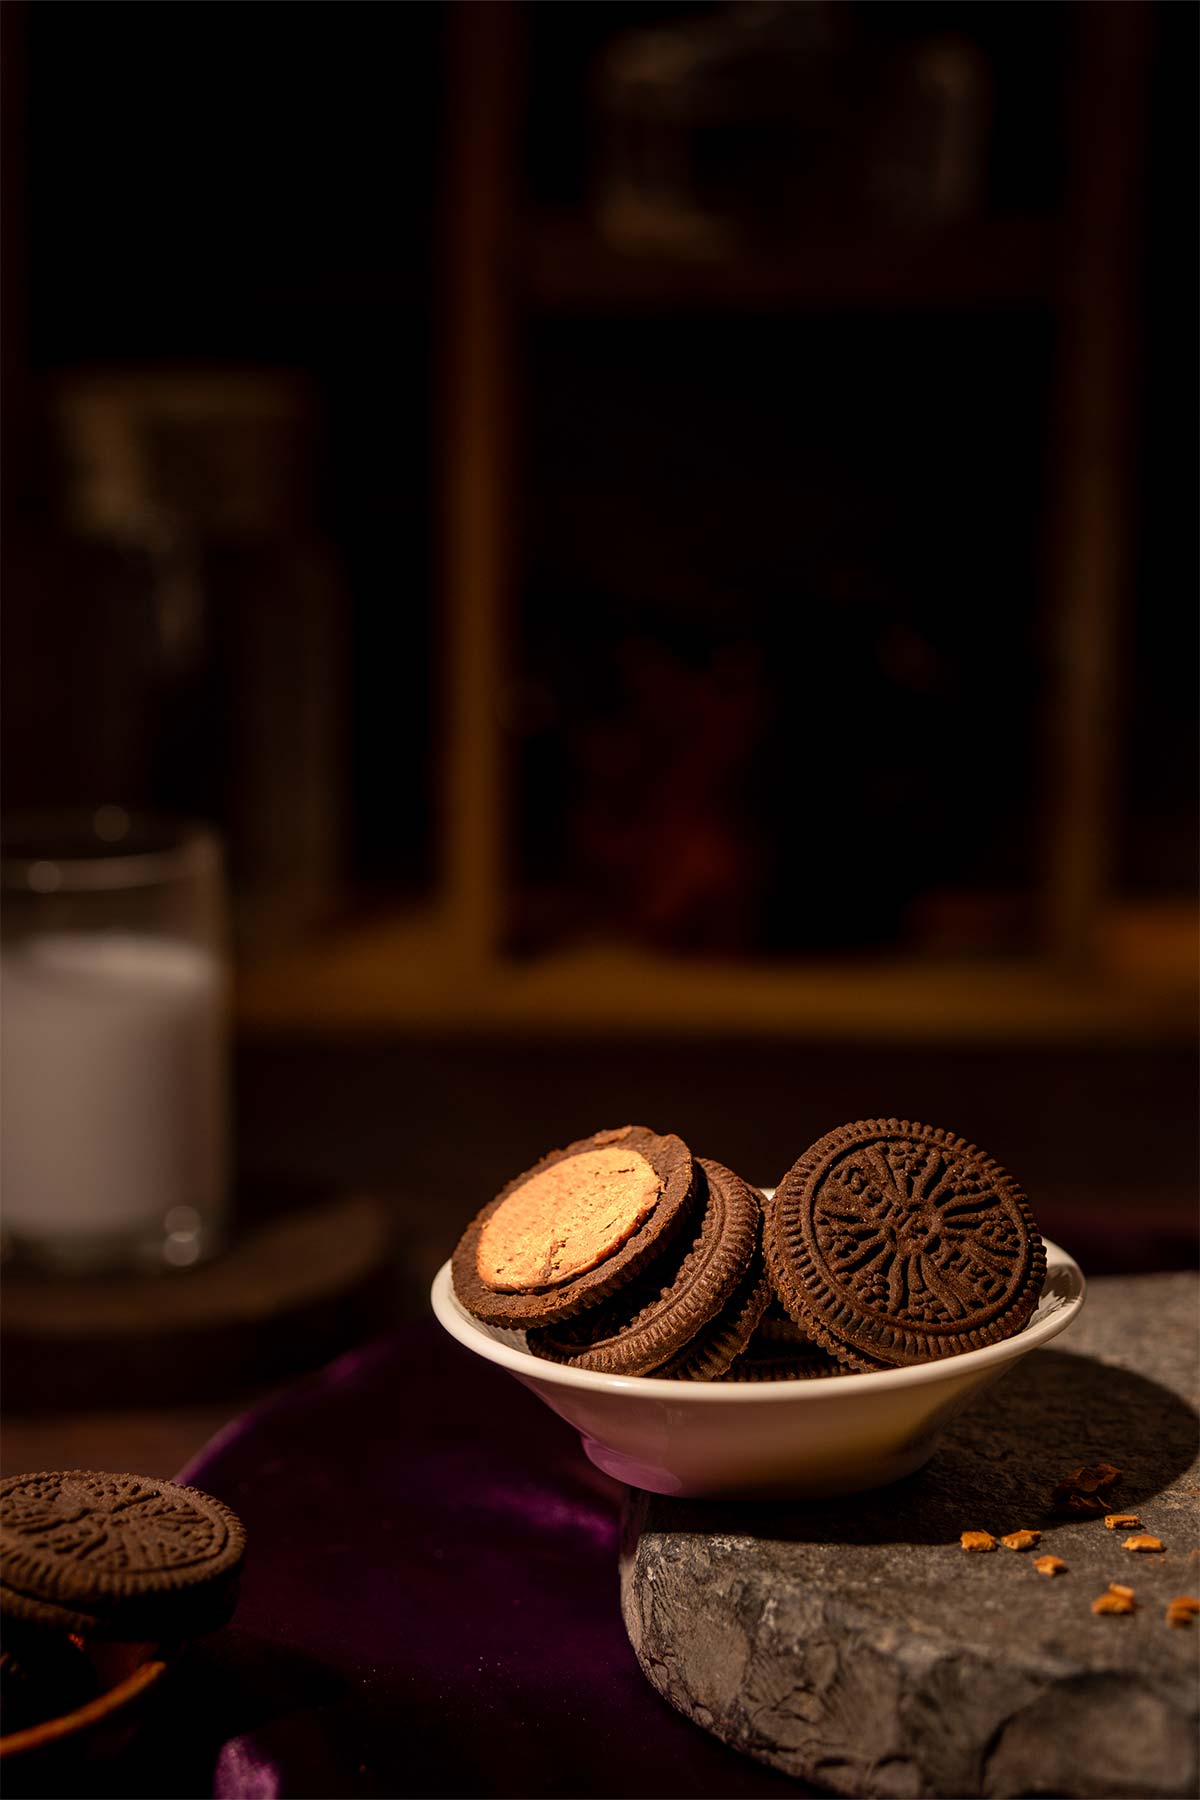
429	1607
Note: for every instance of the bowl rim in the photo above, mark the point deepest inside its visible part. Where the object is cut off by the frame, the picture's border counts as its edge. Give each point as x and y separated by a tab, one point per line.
459	1323
100	1710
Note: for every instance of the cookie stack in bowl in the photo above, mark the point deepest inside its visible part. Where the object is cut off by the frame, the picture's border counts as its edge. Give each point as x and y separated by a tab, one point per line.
886	1243
622	1253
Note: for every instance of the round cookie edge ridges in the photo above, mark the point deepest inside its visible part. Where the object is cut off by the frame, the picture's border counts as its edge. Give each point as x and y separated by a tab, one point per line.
723	1338
730	1221
765	1361
533	1308
44	1614
49	1590
707	1356
787	1286
803	1283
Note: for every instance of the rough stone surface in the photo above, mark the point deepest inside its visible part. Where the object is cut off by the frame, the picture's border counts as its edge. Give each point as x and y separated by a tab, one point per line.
853	1644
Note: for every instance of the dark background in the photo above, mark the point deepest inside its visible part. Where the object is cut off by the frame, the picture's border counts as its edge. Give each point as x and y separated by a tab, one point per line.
735	687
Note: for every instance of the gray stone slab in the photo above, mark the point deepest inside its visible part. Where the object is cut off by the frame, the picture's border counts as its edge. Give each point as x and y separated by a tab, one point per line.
853	1644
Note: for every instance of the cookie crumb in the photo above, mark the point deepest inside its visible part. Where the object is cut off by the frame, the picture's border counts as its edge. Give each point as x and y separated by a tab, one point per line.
1093	1477
1076	1493
977	1540
1079	1506
1121	1521
1145	1542
1050	1565
1182	1610
1021	1540
1118	1587
1113	1603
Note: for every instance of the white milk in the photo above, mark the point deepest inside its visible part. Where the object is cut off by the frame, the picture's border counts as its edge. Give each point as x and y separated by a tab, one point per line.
112	1088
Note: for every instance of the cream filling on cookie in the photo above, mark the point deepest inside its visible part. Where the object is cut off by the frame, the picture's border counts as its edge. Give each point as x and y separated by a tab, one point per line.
566	1220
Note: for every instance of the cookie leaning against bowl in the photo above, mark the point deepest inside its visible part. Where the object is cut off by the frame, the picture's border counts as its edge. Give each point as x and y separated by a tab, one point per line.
573	1229
686	1321
899	1243
116	1556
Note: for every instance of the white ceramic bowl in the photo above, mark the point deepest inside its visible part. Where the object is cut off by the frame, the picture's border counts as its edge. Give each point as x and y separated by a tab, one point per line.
832	1435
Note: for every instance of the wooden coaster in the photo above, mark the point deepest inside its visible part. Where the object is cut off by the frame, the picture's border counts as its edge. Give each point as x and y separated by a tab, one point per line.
287	1294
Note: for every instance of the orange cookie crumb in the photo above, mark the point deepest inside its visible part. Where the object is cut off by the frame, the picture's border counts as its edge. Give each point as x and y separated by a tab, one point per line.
1092	1478
1113	1603
1021	1540
1145	1542
1078	1506
1121	1521
1050	1565
1076	1495
977	1540
1182	1610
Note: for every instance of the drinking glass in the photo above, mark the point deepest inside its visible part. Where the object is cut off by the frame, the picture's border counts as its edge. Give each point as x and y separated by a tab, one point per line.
113	1042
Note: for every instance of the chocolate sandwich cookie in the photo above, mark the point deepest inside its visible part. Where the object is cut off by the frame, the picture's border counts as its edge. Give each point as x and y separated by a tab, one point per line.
893	1242
576	1227
117	1556
771	1359
778	1327
717	1344
687	1318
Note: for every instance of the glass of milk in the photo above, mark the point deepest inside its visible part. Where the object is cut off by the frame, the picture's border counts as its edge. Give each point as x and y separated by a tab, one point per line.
113	1042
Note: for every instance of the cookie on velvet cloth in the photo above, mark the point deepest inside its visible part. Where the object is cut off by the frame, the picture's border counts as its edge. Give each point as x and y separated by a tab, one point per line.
896	1243
116	1556
692	1313
578	1226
